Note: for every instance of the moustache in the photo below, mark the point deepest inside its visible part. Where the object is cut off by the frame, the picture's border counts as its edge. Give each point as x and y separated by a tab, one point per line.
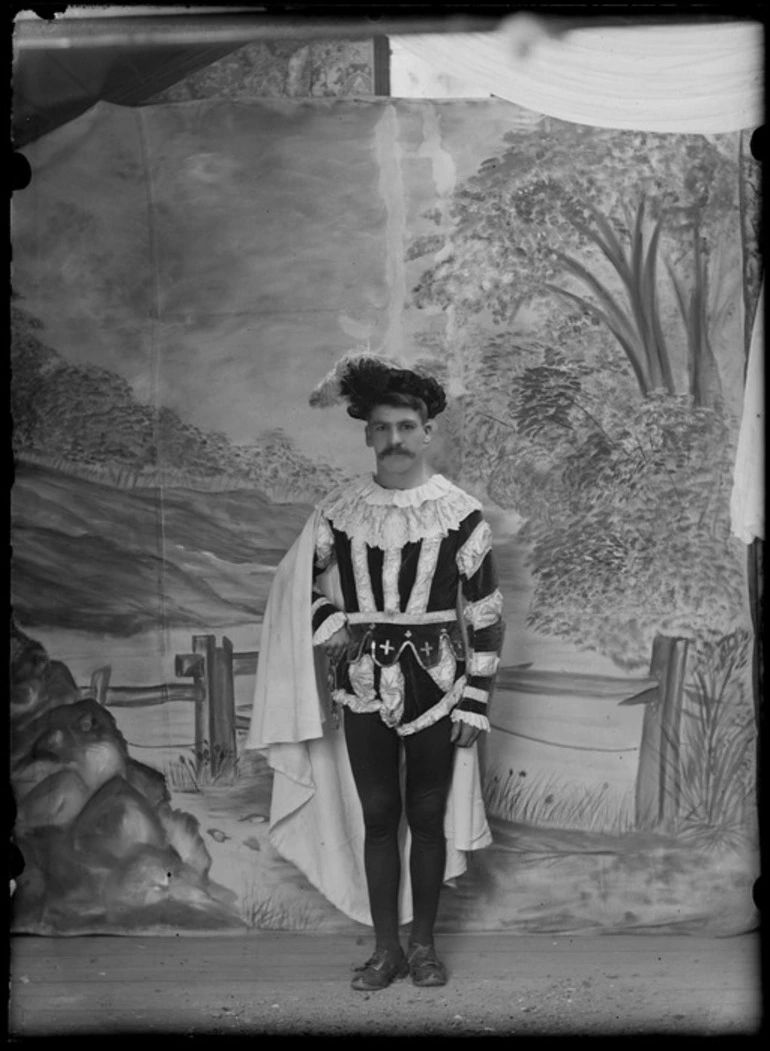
396	452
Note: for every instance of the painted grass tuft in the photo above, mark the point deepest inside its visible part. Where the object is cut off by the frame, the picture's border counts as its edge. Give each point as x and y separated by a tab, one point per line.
716	775
184	774
271	914
556	802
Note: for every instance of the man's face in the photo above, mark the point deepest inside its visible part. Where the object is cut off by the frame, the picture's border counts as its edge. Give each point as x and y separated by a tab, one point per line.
398	436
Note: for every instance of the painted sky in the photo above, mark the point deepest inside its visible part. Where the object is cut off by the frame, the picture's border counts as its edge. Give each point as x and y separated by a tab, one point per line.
207	251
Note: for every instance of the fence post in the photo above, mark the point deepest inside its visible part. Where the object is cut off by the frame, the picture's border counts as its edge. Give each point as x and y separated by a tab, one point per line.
658	785
222	712
205	645
100	684
671	735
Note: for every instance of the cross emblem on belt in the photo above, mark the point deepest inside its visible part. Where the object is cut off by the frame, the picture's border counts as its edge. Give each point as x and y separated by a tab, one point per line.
386	647
426	649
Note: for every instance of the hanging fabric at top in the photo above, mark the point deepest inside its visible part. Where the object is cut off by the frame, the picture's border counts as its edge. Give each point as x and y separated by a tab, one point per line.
705	78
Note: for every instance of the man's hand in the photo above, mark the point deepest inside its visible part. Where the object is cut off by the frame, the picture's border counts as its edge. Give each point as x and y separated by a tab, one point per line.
463	734
337	645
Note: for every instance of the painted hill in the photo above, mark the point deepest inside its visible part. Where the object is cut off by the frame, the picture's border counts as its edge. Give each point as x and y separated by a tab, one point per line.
88	420
144	556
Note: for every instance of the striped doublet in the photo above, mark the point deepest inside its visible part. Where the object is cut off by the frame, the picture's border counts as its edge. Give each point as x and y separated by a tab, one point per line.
421	600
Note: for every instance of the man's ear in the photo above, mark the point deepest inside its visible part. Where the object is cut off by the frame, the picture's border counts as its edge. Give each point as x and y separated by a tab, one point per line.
428	428
368	434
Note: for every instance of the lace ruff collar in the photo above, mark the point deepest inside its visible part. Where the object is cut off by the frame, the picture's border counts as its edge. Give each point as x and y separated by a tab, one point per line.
390	518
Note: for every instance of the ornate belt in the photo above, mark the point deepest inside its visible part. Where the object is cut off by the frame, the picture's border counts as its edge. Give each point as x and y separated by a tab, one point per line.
385	640
436	616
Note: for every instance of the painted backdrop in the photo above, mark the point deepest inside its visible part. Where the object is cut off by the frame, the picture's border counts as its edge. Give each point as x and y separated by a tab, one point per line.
184	274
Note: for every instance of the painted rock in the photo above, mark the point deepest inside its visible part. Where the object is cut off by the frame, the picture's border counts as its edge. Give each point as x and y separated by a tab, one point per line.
182	832
58	733
27	774
97	762
149	781
143	879
56	800
36	682
116	821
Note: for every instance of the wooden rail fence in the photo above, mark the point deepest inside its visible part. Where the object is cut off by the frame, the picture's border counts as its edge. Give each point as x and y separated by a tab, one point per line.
658	778
211	671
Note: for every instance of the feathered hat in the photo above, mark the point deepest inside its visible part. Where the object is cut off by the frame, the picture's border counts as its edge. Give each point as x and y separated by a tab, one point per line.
362	378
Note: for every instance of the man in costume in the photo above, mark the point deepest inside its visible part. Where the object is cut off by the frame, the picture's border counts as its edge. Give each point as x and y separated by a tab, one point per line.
406	633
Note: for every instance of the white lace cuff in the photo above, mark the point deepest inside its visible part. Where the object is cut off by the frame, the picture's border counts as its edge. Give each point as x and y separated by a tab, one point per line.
471	718
330	625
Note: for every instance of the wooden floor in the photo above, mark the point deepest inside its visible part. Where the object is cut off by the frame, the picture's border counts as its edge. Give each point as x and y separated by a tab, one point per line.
280	983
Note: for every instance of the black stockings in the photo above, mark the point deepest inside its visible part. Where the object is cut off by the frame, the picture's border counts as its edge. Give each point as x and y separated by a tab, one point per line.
374	758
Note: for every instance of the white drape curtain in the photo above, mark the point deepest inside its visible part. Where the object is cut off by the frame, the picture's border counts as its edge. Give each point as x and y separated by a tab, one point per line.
747	504
703	78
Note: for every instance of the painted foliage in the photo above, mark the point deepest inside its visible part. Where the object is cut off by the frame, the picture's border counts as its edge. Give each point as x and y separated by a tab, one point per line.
183	276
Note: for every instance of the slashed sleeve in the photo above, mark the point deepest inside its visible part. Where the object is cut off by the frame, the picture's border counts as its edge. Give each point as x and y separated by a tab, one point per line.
482	607
326	617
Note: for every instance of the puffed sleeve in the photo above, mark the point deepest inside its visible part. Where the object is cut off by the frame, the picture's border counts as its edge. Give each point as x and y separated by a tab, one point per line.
326	617
482	607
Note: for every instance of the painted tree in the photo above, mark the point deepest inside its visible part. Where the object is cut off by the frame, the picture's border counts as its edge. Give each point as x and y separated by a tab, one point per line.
626	506
575	413
509	219
620	212
633	314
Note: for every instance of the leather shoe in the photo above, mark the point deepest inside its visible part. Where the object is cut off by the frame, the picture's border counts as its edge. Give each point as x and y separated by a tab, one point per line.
425	967
380	970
